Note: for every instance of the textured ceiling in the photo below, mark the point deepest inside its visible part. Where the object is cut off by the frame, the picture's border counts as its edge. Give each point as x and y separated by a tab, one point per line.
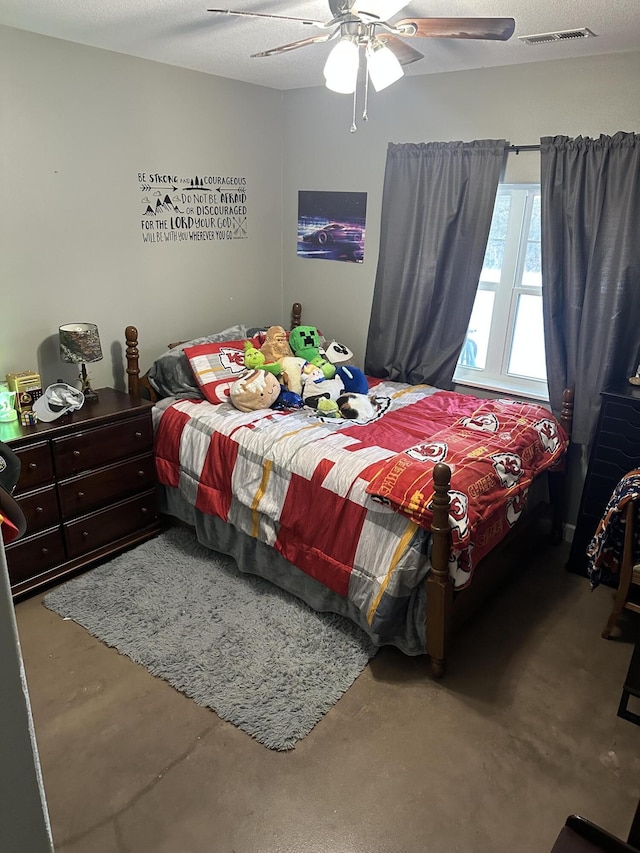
182	33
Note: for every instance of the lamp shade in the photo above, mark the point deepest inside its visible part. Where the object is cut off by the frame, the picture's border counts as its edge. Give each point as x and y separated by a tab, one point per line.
80	343
341	67
383	66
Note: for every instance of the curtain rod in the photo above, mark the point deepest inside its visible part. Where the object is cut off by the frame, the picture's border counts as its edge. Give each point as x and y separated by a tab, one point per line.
519	148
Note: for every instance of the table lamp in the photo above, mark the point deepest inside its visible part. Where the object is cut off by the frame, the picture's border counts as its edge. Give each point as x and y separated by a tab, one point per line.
80	344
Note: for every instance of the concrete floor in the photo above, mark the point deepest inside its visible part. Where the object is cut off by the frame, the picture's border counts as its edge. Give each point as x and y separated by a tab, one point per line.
522	732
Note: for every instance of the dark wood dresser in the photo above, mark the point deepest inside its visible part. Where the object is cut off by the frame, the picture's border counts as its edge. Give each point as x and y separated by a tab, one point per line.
615	452
87	488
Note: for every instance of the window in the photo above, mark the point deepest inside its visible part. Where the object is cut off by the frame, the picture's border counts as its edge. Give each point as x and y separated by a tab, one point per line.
504	347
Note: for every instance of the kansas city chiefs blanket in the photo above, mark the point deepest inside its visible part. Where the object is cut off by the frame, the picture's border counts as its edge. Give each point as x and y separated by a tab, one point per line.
348	502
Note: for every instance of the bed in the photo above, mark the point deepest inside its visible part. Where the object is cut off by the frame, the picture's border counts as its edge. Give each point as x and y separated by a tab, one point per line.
360	517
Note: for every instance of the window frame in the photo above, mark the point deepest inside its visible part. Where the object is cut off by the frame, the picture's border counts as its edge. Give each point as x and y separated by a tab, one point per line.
507	291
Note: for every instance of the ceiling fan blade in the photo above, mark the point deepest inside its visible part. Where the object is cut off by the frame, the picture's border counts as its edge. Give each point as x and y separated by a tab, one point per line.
340	7
382	9
294	45
264	15
404	53
498	29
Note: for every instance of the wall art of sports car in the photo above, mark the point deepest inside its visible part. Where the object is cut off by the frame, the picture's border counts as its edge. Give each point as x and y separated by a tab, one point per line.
331	225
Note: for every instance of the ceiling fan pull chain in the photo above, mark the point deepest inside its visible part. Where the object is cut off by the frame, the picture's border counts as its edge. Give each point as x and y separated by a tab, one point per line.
365	114
354	126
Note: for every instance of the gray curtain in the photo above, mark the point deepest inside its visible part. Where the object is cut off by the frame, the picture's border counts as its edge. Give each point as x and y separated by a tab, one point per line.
590	268
437	206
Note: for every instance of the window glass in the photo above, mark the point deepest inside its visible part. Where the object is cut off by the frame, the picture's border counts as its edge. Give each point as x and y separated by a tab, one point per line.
474	351
504	345
527	347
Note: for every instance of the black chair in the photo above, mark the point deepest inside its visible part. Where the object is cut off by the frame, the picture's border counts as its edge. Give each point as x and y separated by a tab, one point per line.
579	835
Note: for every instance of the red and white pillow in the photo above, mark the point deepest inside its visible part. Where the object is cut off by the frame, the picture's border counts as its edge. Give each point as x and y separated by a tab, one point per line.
216	367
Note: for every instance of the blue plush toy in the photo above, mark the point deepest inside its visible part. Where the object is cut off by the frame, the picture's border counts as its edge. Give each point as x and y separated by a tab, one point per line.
287	400
353	379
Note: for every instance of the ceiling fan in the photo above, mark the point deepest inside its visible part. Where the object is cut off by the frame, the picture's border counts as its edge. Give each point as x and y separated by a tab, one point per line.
356	25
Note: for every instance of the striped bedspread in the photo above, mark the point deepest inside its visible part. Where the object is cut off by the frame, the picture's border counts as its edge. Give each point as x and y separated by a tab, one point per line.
348	502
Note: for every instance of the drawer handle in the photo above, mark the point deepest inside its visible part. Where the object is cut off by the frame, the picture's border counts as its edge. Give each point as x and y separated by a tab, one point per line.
141	473
85	534
44	551
144	510
39	509
80	495
138	435
76	453
33	466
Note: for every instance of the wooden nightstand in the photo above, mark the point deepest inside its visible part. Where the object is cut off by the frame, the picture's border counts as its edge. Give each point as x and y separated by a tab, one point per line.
87	488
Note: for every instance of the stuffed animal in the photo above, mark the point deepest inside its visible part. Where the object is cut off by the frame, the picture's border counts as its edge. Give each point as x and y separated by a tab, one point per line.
305	343
254	390
353	379
292	373
337	353
316	387
328	408
287	400
254	360
275	346
356	407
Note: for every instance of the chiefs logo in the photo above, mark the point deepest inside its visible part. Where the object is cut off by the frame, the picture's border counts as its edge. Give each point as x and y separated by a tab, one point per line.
460	567
481	423
548	433
433	451
515	507
508	467
232	359
458	515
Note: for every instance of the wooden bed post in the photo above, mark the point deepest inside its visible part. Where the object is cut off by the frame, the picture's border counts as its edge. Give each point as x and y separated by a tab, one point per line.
296	314
566	413
133	356
439	584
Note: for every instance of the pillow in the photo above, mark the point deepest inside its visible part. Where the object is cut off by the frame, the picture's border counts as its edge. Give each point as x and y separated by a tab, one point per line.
216	367
171	375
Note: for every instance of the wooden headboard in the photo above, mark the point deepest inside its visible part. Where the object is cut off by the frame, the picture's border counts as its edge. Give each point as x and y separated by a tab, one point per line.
139	386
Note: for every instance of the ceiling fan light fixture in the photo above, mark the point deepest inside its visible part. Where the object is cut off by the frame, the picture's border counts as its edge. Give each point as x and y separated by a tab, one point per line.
383	65
341	67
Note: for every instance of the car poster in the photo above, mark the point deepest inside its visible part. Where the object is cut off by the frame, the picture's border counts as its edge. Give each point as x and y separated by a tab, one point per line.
331	225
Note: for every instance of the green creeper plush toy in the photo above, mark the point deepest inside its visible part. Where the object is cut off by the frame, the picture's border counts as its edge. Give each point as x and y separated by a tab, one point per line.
305	343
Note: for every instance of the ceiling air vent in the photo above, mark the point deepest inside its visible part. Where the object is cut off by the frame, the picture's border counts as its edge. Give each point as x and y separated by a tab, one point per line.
544	38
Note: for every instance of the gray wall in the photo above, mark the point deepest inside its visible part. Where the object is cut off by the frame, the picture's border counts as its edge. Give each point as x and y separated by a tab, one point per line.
77	126
24	821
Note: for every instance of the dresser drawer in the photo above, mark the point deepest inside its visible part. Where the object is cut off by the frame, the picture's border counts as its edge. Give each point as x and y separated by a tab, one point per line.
93	448
34	555
611	468
40	508
622	412
89	491
107	525
616	432
36	467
